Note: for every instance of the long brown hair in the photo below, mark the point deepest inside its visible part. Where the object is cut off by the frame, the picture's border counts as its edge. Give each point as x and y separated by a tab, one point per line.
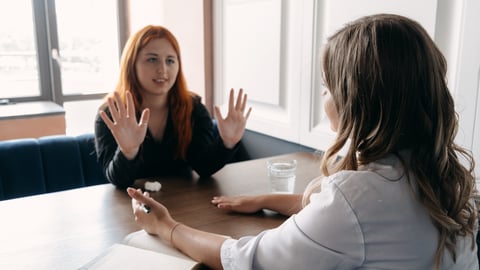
387	79
179	98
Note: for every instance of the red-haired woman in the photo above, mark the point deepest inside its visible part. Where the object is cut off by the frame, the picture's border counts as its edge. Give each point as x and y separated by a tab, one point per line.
152	125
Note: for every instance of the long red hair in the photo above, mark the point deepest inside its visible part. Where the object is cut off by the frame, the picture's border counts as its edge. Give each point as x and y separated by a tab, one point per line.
179	97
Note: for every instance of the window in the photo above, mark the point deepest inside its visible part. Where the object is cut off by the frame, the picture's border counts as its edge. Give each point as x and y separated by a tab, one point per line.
88	58
61	51
88	45
18	61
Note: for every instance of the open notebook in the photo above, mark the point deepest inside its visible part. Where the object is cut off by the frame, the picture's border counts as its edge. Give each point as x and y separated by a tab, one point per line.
140	250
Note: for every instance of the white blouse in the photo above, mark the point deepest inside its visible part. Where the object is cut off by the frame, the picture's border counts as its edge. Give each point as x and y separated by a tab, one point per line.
366	219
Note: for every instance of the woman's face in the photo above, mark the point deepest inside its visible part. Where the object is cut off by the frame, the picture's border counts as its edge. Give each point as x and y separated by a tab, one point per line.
157	66
330	109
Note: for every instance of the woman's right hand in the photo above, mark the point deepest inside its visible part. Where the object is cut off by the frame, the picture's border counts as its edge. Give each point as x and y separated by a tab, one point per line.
128	134
158	221
241	204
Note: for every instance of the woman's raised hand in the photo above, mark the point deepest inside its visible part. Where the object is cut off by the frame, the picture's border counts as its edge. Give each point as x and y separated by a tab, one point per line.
232	127
128	133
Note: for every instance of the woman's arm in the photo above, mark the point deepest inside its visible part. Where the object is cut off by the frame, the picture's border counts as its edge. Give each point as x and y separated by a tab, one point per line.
201	246
285	204
206	154
117	168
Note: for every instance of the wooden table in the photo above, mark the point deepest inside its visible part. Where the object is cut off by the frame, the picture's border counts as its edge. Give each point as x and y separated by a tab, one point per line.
64	230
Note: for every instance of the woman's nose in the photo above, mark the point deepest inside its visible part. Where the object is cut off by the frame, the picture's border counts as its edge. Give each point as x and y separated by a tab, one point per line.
161	69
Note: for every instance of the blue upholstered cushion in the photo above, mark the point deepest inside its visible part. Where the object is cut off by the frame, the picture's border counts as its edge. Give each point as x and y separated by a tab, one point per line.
62	162
47	164
21	168
92	170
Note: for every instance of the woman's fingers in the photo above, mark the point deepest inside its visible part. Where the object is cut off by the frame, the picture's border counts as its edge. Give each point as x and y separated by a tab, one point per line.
123	114
244	102
130	105
106	119
140	202
238	104
241	102
138	197
135	206
216	200
113	109
144	118
223	201
116	107
120	106
248	113
230	100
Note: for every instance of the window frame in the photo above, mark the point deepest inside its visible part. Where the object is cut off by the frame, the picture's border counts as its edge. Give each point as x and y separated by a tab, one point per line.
46	38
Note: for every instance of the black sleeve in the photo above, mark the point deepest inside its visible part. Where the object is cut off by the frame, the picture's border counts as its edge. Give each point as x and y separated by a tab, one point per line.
117	168
207	153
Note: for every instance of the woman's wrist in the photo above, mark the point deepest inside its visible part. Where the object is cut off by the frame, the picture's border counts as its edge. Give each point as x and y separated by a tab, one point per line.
172	231
229	144
131	154
166	228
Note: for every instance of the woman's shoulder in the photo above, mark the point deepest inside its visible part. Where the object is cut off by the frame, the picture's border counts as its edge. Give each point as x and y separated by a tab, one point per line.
197	101
344	177
385	170
199	109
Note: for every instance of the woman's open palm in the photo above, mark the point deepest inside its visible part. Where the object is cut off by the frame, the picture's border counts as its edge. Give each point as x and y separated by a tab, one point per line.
128	133
232	127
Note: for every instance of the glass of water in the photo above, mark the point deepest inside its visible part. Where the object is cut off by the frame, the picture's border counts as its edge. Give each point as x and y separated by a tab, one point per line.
281	173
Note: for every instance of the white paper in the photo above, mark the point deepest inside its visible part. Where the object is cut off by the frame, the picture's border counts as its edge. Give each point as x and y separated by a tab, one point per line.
124	257
143	240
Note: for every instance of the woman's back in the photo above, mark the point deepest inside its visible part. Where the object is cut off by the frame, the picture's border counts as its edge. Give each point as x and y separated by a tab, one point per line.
365	219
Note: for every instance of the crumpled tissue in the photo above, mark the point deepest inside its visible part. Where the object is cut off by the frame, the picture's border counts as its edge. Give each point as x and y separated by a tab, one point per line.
153	186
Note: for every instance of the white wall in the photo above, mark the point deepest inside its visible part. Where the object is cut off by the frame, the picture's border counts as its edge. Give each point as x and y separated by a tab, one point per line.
465	76
278	60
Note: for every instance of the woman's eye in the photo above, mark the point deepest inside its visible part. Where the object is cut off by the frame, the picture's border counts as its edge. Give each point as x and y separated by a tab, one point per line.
152	60
170	61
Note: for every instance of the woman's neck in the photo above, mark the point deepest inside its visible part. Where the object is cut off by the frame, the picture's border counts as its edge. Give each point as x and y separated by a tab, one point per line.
155	103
